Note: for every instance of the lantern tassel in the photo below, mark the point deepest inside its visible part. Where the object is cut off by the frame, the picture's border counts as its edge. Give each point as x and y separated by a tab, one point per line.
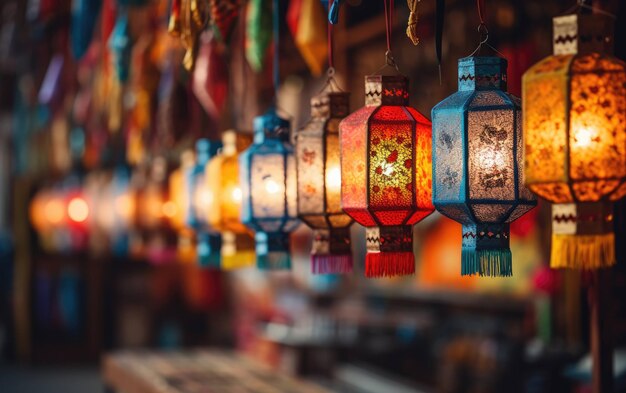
331	264
389	264
274	261
582	251
490	262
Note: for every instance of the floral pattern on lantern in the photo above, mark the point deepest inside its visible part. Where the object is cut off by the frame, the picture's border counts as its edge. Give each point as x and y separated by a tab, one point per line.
386	173
222	176
477	164
575	131
202	202
319	184
267	171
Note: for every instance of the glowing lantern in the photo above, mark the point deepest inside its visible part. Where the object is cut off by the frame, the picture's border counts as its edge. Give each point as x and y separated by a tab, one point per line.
319	184
386	173
268	190
208	242
575	133
477	164
222	175
123	210
180	196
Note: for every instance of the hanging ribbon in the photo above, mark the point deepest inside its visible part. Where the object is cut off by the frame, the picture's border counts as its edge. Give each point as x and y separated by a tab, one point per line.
440	13
258	30
411	28
307	20
333	13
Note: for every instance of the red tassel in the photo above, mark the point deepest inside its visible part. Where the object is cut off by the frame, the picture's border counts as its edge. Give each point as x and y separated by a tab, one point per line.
331	264
389	264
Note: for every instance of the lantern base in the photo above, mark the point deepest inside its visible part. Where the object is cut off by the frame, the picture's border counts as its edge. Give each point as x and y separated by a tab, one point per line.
208	250
389	251
582	251
237	251
492	263
272	251
331	264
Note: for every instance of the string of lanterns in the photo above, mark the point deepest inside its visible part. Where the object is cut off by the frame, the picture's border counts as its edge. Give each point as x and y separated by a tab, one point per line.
234	203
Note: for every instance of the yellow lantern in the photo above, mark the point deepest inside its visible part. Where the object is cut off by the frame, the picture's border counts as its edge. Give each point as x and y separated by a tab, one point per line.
222	176
180	197
575	134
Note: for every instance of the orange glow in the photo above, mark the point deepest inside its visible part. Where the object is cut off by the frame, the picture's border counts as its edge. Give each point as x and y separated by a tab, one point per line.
77	209
53	211
125	206
169	209
236	194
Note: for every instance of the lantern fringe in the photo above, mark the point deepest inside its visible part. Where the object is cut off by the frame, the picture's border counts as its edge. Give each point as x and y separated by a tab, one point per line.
493	263
274	261
331	264
582	251
238	260
389	264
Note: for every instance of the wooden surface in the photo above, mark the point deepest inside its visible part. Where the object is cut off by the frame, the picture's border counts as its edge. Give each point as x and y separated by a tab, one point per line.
195	371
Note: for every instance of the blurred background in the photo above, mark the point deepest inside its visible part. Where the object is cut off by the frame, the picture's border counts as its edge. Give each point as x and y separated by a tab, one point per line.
77	288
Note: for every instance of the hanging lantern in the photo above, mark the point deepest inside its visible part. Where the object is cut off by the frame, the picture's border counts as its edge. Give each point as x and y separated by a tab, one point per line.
208	242
477	164
222	176
386	173
575	133
180	196
268	189
123	210
319	184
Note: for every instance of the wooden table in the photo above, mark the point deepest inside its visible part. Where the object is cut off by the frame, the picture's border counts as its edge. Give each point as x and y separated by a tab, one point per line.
195	371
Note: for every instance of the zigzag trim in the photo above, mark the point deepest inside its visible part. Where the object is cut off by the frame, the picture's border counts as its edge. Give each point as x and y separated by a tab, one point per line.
579	218
483	78
489	235
563	39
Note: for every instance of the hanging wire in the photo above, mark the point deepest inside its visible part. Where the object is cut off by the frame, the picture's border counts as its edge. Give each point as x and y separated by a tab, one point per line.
389	59
483	31
330	73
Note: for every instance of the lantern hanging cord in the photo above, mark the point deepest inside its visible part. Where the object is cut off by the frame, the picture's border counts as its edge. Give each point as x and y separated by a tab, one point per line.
276	22
389	60
330	73
483	31
583	5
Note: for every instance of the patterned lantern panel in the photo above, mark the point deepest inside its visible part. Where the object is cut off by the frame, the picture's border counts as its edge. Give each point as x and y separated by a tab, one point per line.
319	184
202	201
477	164
268	188
575	132
386	173
222	176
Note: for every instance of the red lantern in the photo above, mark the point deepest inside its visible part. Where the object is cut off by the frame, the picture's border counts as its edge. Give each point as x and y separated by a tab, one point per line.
386	173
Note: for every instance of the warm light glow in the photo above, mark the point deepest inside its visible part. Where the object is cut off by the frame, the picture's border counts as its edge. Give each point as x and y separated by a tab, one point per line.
53	211
333	178
169	209
583	136
203	198
77	210
236	194
124	205
271	186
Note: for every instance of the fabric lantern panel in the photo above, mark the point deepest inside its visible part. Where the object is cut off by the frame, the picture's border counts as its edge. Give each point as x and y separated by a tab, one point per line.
575	131
268	188
319	184
477	165
222	176
386	173
202	202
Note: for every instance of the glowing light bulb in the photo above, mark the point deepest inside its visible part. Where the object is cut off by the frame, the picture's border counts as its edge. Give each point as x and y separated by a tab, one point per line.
53	211
271	186
169	209
236	194
333	178
78	210
583	136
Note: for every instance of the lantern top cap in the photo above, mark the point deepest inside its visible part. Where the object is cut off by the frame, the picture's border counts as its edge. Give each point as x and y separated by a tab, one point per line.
205	149
386	90
582	33
330	104
270	125
482	73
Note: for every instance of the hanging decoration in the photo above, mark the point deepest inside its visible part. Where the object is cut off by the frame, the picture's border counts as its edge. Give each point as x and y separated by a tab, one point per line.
307	23
208	241
180	199
333	12
258	32
386	169
575	133
411	28
224	14
222	176
210	76
188	18
84	15
120	45
477	164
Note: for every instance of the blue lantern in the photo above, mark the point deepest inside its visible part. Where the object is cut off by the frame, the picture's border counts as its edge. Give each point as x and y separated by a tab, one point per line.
478	164
268	186
208	242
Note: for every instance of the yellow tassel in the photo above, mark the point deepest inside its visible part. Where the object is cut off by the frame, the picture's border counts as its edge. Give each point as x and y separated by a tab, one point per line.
582	251
238	260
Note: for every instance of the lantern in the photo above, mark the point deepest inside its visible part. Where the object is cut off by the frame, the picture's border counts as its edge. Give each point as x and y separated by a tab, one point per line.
319	184
179	195
123	210
575	133
386	173
477	164
208	243
222	176
267	171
